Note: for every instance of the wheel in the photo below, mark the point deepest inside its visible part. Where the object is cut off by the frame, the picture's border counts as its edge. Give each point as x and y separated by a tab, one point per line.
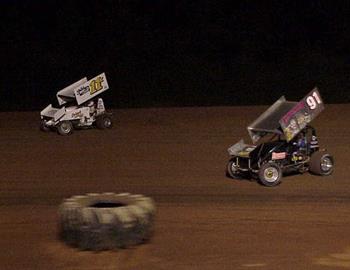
65	128
103	122
232	170
270	174
321	163
43	127
106	221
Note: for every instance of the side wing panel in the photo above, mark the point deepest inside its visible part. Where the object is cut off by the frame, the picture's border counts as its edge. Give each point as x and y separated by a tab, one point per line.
301	114
67	93
91	88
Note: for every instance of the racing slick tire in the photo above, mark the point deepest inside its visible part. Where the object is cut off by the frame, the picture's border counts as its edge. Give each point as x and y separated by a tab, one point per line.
43	127
321	163
103	121
106	221
232	170
270	174
65	128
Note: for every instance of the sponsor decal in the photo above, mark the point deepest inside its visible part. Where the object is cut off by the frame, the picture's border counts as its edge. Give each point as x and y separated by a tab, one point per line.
82	91
94	86
281	155
243	153
301	114
297	108
77	114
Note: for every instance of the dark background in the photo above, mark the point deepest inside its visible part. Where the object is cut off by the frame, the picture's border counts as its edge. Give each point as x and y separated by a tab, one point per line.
175	53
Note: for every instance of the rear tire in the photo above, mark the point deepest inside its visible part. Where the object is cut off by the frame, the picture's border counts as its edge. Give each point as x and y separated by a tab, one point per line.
321	163
103	122
65	128
270	174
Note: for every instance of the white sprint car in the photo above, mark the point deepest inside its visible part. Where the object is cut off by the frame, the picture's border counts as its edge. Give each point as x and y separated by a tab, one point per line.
80	107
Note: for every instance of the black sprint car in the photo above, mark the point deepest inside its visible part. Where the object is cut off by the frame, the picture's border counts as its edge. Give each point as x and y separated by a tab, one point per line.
283	142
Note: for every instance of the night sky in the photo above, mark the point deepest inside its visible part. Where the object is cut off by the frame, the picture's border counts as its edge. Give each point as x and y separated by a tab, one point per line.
175	53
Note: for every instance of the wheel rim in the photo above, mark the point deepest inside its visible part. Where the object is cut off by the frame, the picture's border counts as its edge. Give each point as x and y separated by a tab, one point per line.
233	168
65	127
326	164
107	122
271	174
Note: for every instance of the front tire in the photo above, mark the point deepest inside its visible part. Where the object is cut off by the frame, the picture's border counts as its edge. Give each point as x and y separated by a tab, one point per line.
103	122
270	174
321	163
65	128
44	127
232	170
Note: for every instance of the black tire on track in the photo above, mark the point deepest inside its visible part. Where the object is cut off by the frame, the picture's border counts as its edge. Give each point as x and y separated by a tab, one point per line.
270	174
232	172
43	127
104	121
106	221
317	159
65	128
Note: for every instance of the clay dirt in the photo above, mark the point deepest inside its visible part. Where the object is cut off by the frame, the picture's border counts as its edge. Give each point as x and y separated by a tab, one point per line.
177	156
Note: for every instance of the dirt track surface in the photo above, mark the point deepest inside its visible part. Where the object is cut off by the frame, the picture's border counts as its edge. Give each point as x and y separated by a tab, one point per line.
177	156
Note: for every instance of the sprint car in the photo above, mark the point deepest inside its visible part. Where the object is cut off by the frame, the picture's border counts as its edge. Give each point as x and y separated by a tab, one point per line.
283	141
80	107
